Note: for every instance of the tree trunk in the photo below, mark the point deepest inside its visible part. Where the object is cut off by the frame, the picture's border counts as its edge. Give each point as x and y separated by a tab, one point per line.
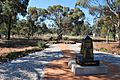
28	35
107	37
114	33
9	29
0	36
59	37
119	32
32	26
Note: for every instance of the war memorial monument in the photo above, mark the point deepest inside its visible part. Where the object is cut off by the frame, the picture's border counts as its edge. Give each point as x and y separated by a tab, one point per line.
84	63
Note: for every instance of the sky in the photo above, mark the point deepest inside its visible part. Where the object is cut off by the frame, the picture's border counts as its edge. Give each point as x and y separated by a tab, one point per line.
67	3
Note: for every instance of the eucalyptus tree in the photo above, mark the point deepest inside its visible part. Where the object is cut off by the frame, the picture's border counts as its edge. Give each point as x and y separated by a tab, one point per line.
105	23
95	7
10	10
35	15
1	14
3	30
77	19
64	17
112	6
32	16
44	28
21	28
56	13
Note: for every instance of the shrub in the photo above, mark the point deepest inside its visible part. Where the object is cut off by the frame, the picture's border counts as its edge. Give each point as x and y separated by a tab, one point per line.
65	38
41	44
3	59
14	55
51	38
103	49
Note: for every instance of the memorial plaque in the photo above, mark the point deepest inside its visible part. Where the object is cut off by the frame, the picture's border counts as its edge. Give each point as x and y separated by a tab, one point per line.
86	57
87	48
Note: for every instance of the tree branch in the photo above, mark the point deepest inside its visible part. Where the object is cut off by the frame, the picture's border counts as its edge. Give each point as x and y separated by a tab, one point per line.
111	8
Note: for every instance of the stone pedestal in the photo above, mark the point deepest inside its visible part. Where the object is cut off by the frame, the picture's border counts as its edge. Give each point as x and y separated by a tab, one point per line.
86	70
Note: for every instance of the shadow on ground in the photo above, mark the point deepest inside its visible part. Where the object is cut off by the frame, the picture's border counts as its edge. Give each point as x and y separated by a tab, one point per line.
18	43
29	67
58	70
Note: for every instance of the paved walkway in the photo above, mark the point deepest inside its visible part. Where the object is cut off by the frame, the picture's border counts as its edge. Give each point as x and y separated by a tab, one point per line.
30	67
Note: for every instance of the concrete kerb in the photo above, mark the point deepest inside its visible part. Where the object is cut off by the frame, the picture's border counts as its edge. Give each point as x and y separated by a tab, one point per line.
86	70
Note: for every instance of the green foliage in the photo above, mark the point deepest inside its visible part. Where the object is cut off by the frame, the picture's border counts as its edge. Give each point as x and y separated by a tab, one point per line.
108	10
61	16
9	10
41	44
94	6
65	38
103	49
3	59
11	56
64	17
104	31
14	55
27	51
53	38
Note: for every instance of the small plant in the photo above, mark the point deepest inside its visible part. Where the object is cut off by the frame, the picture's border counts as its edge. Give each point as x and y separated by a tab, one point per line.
66	38
3	59
12	55
41	44
51	38
103	49
33	50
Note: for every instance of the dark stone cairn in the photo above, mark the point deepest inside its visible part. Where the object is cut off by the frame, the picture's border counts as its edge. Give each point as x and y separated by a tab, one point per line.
86	56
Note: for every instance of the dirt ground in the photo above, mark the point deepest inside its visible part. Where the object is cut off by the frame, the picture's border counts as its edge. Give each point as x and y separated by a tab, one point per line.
112	47
17	45
4	51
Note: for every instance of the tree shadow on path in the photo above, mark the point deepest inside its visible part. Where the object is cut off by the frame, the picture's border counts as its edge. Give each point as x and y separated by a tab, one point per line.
58	70
30	67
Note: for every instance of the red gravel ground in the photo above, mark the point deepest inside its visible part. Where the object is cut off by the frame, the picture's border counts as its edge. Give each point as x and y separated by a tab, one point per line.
58	69
112	47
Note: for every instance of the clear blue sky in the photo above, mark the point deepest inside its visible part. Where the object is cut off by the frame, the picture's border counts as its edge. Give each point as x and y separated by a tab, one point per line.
68	3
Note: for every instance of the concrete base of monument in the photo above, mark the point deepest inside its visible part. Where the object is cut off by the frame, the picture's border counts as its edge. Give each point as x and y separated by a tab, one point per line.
86	70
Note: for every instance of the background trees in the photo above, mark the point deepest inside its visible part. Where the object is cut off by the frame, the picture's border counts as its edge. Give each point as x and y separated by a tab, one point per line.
9	12
64	18
114	6
103	9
